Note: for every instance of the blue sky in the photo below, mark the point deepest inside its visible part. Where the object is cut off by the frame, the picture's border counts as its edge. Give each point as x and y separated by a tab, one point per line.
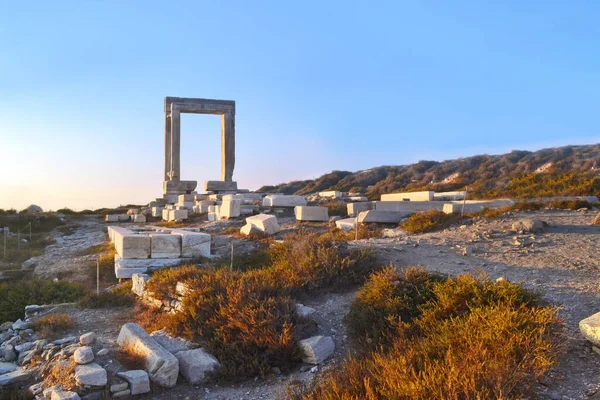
318	86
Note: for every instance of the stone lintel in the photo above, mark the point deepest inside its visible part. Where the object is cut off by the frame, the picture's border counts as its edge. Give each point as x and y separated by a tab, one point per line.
220	186
179	187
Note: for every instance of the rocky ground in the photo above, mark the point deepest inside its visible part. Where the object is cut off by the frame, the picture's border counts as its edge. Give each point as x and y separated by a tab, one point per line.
561	261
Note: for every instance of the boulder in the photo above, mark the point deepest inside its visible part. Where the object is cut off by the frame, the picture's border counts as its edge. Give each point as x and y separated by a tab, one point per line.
266	224
138	381
531	225
162	366
91	375
317	349
83	355
195	365
304	311
87	338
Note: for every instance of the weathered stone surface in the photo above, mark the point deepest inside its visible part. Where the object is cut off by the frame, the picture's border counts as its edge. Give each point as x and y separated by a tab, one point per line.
172	344
87	338
382	217
139	218
250	230
111	218
161	365
9	353
126	268
445	196
83	355
102	352
220	186
307	213
6	367
193	244
6	326
410	196
123	393
177	187
346	224
532	225
124	217
317	349
64	395
165	245
266	224
17	376
282	200
230	209
413	206
450	208
175	215
20	348
119	387
195	365
129	244
139	283
590	328
157	212
21	325
202	206
356	208
90	374
66	340
332	194
138	381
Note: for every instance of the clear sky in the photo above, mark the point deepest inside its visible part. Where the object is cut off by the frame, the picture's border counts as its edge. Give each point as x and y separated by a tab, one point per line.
318	85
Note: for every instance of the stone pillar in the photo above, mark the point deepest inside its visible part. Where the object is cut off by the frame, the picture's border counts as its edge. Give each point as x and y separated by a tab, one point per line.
167	141
227	146
175	170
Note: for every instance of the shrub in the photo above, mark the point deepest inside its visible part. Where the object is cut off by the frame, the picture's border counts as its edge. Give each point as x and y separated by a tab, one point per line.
465	338
246	317
336	208
428	221
14	296
120	297
51	325
569	204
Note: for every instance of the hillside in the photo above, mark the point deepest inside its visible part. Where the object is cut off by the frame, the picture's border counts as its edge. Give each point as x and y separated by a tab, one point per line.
568	170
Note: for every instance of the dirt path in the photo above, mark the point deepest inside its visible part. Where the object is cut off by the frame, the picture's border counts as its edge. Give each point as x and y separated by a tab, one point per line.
562	262
66	258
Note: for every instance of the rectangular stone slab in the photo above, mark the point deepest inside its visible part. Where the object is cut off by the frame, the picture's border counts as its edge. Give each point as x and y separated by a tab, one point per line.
356	208
165	245
382	217
408	196
282	200
307	213
129	244
218	186
194	244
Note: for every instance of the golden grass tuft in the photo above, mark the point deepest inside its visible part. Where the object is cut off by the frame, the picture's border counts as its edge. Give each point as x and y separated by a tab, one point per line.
429	221
52	325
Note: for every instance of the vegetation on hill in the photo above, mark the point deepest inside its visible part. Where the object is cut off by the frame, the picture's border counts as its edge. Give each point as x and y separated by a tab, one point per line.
563	171
425	336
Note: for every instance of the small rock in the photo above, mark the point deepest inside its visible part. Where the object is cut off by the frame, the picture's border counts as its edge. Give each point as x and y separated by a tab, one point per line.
6	326
122	393
66	340
83	355
119	387
138	380
24	347
6	367
91	374
102	352
64	395
87	338
17	376
195	365
531	225
21	325
317	349
304	311
9	353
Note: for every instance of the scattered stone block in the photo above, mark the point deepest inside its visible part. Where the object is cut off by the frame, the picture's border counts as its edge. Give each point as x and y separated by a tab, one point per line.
90	374
194	244
174	188
165	245
87	338
356	208
202	206
382	217
220	186
266	224
451	208
124	218
162	366
317	349
139	283
532	225
83	355
281	200
64	395
157	212
125	268
138	381
410	196
111	218
590	328
332	194
346	224
195	365
139	218
306	213
230	209
128	244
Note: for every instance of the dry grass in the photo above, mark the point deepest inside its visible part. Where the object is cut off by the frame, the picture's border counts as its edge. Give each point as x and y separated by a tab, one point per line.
569	204
53	325
461	338
120	296
130	357
247	318
336	208
59	373
429	221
